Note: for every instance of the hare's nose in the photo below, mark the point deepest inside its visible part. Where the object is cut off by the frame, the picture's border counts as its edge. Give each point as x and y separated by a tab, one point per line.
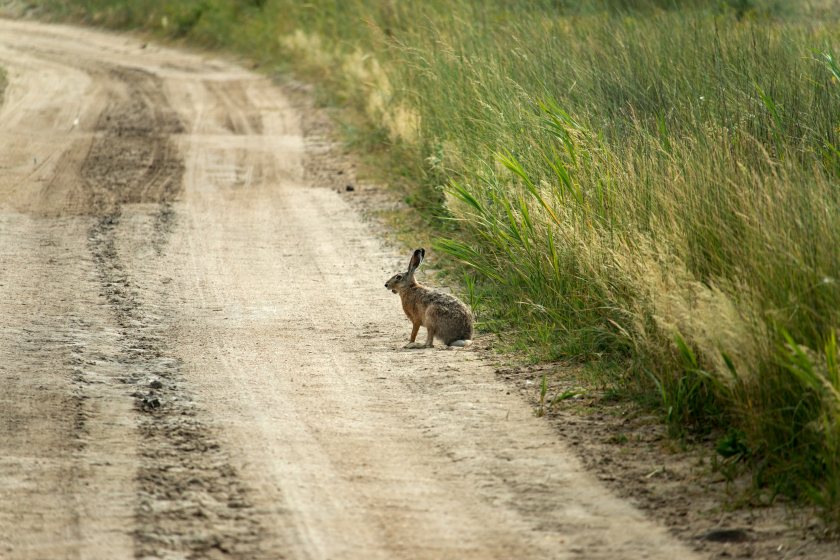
386	285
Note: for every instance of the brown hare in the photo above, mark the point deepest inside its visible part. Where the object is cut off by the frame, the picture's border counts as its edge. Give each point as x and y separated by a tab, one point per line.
444	316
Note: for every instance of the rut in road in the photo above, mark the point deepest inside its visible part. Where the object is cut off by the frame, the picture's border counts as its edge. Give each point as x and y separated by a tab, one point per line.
207	362
184	481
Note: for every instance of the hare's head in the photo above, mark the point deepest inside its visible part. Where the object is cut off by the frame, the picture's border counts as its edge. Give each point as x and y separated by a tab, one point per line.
399	282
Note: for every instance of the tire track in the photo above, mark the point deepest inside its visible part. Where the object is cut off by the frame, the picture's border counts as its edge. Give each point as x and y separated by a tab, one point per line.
185	482
235	112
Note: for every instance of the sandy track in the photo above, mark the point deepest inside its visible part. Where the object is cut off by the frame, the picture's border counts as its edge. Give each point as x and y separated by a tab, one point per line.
200	359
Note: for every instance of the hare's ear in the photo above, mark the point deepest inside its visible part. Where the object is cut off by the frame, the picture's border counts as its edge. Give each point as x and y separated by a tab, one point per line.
415	261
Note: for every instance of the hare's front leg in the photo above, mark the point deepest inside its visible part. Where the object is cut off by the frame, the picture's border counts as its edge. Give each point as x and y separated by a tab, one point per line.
411	344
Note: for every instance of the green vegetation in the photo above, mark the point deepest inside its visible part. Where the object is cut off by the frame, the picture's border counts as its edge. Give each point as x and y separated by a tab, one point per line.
650	187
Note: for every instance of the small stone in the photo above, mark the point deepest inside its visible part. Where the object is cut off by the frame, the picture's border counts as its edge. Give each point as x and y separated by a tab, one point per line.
151	402
349	188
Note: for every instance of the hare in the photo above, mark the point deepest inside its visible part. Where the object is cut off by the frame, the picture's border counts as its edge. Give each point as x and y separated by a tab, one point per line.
444	316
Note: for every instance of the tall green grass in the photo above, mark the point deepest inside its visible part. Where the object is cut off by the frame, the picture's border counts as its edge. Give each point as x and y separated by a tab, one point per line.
650	183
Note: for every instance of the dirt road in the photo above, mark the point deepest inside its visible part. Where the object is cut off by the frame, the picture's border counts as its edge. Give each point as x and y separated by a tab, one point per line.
199	358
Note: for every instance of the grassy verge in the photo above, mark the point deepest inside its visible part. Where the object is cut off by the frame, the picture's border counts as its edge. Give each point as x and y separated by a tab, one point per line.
623	182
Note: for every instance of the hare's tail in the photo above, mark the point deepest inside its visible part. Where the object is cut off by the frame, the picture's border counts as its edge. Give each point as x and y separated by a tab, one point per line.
461	343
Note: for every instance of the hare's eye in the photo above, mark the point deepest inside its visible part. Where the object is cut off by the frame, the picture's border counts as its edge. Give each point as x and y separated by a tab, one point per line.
399	276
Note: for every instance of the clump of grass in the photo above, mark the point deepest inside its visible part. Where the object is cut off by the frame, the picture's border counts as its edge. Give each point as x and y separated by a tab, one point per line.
646	183
682	216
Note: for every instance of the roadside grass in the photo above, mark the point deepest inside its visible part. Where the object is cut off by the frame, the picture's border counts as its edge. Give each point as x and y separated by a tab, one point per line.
619	181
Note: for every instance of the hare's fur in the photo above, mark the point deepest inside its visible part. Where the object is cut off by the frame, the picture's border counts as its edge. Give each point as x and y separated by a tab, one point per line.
444	316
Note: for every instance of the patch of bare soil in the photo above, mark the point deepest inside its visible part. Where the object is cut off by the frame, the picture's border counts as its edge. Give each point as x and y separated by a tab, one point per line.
683	484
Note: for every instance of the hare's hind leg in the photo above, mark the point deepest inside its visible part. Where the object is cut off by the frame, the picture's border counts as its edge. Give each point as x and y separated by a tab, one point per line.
430	321
430	337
